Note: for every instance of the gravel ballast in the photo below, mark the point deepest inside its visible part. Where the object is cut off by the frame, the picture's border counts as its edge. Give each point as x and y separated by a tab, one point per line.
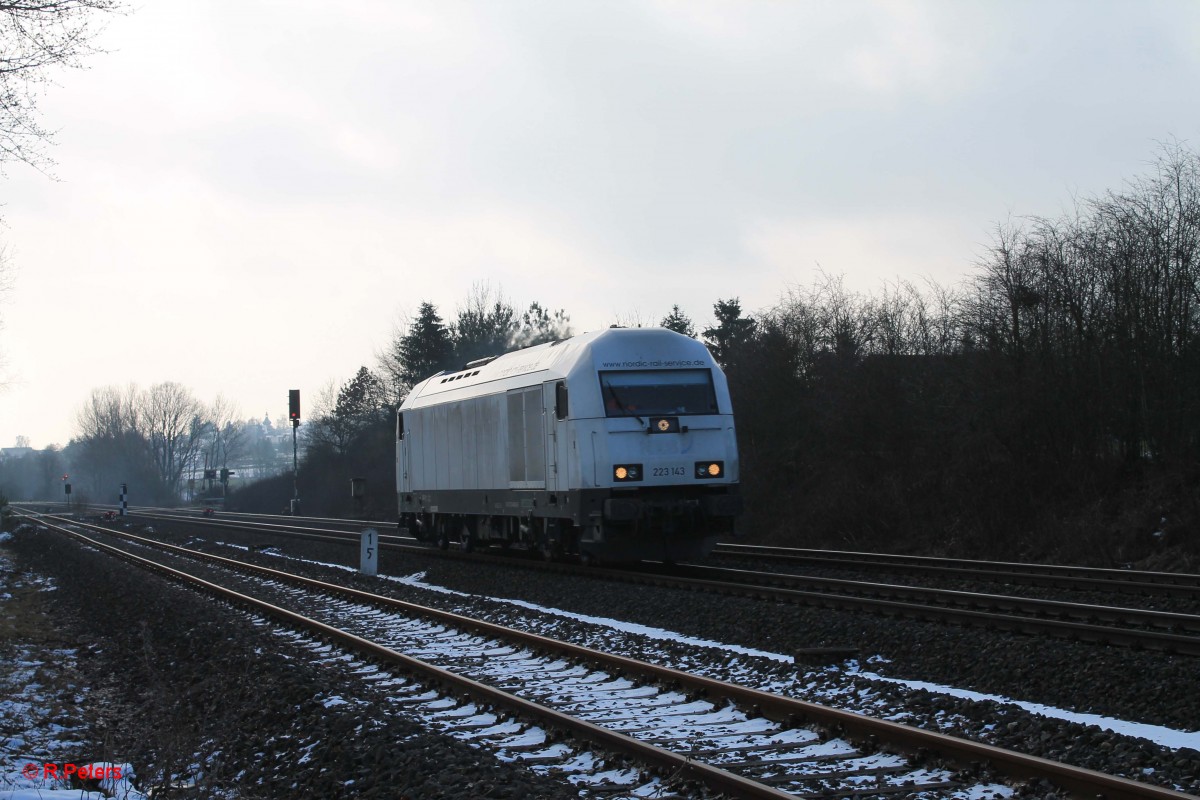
1145	687
192	694
1137	686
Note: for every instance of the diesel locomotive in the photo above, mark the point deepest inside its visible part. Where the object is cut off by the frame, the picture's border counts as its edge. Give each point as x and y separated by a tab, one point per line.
614	445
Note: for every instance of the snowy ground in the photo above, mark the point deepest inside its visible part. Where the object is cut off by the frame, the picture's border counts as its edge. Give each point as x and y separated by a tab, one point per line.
41	719
1166	737
43	751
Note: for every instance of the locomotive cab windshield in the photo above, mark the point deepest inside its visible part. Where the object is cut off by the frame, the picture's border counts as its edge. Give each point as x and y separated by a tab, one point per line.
676	392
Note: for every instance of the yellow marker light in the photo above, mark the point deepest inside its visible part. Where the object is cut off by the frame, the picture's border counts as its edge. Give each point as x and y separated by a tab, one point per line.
664	425
714	469
627	472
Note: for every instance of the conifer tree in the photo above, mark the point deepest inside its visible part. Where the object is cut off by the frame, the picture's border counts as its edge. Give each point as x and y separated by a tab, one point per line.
426	348
679	322
731	334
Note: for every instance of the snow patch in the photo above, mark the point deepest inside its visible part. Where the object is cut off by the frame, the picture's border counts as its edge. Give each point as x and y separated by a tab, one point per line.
1166	737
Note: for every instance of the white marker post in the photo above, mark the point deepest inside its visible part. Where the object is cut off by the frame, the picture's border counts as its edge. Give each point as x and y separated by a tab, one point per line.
369	552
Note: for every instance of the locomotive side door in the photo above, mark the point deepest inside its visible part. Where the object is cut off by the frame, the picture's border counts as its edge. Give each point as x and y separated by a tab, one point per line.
402	447
554	401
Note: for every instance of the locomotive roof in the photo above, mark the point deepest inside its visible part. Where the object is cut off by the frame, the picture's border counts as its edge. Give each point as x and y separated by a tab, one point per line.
611	348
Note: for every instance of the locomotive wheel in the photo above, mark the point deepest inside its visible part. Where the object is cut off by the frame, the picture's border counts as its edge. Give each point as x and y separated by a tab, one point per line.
468	539
441	537
548	542
422	528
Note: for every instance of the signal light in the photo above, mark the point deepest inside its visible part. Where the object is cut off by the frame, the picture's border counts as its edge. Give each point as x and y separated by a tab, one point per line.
294	405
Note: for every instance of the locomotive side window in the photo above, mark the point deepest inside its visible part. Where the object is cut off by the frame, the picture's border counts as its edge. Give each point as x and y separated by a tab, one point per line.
672	392
560	400
399	426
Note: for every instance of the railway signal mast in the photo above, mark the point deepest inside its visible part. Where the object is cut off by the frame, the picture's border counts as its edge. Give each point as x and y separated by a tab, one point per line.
294	416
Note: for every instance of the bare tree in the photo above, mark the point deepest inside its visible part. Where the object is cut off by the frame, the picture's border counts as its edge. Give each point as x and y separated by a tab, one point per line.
226	434
1008	292
632	319
848	320
35	37
173	424
109	412
5	285
484	324
109	442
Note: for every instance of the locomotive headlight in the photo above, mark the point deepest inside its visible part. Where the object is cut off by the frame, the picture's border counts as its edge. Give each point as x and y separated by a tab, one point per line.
627	472
710	469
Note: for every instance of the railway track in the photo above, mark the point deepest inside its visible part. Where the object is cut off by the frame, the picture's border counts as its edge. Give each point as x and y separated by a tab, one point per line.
739	741
1170	632
1169	584
1062	576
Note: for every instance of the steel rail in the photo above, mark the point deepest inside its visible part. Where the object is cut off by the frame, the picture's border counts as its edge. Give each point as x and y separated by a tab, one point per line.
1059	575
1085	782
190	512
713	777
1169	620
1087	577
1176	643
1162	584
252	520
857	595
1063	575
319	534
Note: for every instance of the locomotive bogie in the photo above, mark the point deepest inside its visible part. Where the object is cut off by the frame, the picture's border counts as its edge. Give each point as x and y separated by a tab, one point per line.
612	445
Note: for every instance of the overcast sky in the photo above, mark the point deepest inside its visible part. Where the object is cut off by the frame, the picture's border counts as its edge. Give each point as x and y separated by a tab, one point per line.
252	195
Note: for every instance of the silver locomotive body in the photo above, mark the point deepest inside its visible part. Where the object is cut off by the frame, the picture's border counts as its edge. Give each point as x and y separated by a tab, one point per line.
613	445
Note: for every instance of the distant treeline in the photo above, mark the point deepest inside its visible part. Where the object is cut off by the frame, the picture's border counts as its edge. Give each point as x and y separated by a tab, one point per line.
156	440
1048	406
